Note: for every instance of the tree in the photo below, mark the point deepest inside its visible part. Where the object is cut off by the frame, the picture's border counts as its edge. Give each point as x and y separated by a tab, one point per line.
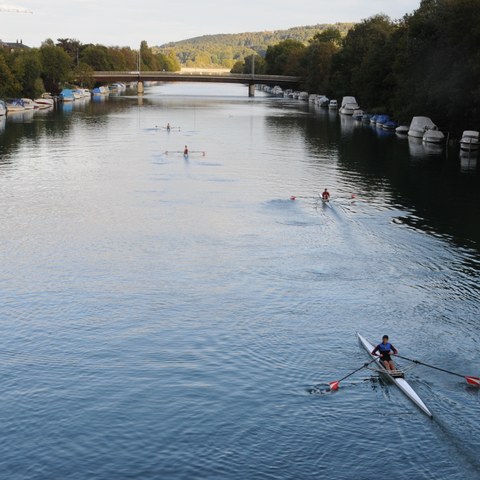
70	46
285	58
365	61
28	69
149	61
97	57
56	66
83	74
9	86
318	60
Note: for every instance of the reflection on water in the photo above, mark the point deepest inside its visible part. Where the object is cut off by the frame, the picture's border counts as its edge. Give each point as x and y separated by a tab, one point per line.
165	318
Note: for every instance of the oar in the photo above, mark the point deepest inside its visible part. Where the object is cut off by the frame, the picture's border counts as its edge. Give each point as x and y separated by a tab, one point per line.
470	380
336	384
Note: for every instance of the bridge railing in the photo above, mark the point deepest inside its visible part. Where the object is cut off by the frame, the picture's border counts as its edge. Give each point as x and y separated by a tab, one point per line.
160	74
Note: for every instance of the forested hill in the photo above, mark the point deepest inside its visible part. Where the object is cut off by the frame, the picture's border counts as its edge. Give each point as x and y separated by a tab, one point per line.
223	50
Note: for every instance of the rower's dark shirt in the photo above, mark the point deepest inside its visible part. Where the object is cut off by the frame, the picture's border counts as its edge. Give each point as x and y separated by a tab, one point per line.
384	348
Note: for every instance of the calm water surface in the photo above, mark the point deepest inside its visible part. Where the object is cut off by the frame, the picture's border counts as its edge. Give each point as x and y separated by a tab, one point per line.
169	318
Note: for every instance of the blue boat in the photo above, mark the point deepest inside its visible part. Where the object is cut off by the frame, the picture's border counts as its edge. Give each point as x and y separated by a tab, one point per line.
67	95
390	125
381	120
373	119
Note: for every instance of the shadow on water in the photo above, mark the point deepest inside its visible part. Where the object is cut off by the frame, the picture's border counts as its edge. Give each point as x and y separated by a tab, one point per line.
440	189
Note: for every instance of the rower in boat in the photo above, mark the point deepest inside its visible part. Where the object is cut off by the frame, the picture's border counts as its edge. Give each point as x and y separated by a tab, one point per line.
386	349
185	151
168	127
326	196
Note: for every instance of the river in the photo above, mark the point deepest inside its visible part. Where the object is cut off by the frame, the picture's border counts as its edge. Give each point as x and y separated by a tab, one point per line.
172	318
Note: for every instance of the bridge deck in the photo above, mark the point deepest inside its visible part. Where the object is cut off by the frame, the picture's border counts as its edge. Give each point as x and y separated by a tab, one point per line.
282	81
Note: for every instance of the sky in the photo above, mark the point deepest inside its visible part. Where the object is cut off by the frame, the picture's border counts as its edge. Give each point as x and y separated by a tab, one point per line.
127	22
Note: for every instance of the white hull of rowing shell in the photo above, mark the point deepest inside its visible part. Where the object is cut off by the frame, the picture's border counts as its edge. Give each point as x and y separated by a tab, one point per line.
401	383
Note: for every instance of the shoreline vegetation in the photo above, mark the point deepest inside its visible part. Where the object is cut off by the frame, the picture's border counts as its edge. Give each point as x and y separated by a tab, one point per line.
29	72
427	63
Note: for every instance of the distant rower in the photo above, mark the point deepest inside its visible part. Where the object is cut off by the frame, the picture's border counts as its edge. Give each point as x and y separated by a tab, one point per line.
168	127
326	195
185	151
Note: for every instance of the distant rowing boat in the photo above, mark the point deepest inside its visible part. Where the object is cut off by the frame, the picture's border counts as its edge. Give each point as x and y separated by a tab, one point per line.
182	152
169	129
399	381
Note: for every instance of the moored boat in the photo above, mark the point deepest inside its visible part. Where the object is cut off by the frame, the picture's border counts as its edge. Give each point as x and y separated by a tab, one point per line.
381	120
433	136
333	105
15	105
470	140
322	101
3	108
419	125
28	103
402	130
358	114
67	95
349	105
390	125
399	381
43	102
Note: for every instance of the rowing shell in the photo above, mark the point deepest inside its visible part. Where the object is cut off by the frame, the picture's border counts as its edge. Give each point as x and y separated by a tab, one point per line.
401	383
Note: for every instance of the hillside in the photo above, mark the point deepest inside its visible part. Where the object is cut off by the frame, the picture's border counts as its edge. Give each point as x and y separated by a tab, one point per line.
223	50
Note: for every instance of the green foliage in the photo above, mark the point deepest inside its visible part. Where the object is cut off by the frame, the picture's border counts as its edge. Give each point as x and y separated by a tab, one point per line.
426	64
9	86
56	66
28	68
96	56
285	58
318	60
252	64
83	74
225	50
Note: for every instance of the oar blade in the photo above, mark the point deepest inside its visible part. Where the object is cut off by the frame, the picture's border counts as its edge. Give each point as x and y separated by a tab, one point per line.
473	381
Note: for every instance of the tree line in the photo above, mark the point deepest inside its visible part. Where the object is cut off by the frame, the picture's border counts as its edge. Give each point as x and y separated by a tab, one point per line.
427	63
29	72
223	50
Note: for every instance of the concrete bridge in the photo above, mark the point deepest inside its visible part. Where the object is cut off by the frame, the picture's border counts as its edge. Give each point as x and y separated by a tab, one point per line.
246	79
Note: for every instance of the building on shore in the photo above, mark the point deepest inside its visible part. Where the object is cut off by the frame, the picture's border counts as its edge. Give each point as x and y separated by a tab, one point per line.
13	46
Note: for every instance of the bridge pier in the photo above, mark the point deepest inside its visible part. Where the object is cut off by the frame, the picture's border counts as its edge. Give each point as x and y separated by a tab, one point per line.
251	90
140	88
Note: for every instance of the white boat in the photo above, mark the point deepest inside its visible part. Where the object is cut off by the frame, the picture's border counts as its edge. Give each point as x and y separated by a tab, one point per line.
419	125
402	130
333	105
28	103
276	90
400	382
470	140
77	94
433	136
303	96
3	108
322	101
349	105
15	105
358	114
43	102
